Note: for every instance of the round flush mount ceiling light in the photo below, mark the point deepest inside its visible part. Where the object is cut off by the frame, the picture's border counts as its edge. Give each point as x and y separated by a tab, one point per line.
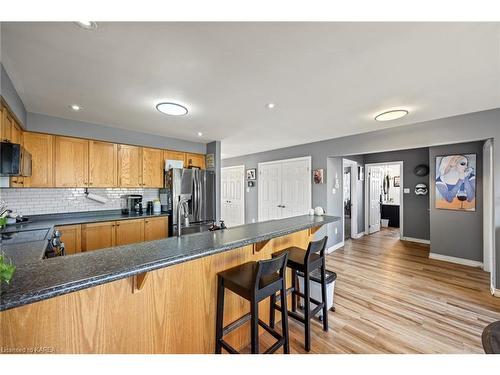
75	107
87	25
270	105
200	134
172	109
391	115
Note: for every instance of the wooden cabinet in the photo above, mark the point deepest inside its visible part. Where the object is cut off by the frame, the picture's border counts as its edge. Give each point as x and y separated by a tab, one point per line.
7	125
129	166
174	155
195	160
152	168
129	231
155	228
103	164
71	237
98	235
71	162
40	146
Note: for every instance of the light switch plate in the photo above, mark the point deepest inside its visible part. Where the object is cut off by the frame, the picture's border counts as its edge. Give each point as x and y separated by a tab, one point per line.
406	190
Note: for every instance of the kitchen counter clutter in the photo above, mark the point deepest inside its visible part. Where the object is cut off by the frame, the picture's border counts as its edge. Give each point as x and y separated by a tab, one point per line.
43	279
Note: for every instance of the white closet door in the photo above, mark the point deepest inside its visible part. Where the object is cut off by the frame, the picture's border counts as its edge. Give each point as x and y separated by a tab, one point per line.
269	191
233	191
295	187
375	176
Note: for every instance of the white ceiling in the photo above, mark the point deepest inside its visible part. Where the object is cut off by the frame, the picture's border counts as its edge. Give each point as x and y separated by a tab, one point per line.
327	79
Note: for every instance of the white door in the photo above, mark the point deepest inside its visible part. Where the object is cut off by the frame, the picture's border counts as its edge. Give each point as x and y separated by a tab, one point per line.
269	191
375	183
295	188
233	195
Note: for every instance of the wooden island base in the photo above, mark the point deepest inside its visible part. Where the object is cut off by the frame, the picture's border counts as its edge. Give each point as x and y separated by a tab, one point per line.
170	310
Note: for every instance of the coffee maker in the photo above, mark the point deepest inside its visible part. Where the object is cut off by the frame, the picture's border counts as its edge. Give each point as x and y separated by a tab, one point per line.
133	204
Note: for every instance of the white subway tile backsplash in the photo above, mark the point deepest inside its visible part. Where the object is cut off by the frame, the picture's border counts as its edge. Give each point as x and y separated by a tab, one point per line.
29	201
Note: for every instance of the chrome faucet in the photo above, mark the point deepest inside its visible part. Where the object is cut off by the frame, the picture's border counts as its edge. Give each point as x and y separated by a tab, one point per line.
182	205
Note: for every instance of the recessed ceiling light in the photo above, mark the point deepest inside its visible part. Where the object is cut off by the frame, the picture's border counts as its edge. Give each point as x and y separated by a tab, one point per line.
200	134
75	107
172	109
270	105
391	115
88	25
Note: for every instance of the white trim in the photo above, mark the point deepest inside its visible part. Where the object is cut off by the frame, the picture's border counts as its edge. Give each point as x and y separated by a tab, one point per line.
358	235
306	158
243	188
494	292
354	197
335	247
419	240
401	194
465	262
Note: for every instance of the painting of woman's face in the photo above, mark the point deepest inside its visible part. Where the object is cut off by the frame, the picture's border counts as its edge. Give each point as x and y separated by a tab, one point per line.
462	164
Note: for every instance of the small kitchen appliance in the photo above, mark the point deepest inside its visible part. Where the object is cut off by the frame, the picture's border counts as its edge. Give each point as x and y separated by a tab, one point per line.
133	204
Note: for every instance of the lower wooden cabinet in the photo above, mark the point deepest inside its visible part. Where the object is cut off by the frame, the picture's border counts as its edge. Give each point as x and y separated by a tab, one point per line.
129	231
71	237
155	228
95	236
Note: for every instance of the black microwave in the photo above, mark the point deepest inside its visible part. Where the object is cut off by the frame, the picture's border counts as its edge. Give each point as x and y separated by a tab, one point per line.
14	160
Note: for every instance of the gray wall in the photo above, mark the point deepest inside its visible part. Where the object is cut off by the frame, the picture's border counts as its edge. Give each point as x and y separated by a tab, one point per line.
415	207
215	148
464	128
455	233
56	125
10	95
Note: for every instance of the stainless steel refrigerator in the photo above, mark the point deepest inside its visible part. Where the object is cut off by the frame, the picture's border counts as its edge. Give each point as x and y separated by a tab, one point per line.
197	184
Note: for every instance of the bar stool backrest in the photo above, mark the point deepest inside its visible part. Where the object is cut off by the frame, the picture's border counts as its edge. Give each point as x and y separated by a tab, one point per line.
270	274
316	247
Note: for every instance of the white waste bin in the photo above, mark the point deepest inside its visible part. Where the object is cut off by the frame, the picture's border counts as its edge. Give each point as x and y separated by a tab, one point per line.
315	280
384	223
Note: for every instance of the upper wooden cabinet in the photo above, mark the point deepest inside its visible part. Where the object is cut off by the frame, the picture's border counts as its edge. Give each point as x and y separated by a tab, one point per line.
195	160
71	162
129	166
174	155
103	164
42	158
7	125
152	167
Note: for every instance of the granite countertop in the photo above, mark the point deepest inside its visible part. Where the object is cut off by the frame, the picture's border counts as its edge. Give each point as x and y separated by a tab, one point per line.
49	278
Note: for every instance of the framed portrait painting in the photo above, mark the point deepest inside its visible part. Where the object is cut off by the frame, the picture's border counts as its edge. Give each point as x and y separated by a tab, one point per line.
456	182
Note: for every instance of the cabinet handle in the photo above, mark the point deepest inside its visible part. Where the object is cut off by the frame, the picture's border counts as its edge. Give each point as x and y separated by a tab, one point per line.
90	183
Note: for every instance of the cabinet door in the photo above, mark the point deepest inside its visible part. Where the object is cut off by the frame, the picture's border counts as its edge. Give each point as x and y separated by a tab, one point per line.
195	160
174	155
16	133
71	162
155	228
152	167
71	237
129	231
7	125
129	166
40	146
97	236
103	164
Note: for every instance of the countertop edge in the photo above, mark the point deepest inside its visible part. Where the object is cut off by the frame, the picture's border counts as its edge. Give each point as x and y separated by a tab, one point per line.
78	285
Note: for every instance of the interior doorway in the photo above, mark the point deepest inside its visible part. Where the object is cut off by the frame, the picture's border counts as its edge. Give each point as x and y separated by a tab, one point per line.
384	197
350	198
233	195
347	202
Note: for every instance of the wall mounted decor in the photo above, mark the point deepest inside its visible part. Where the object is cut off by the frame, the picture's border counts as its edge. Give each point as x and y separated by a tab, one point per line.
318	176
251	174
421	189
456	182
250	183
421	170
397	181
361	173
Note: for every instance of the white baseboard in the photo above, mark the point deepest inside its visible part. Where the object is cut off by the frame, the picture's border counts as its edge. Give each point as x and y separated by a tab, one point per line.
359	235
494	292
335	247
465	262
418	240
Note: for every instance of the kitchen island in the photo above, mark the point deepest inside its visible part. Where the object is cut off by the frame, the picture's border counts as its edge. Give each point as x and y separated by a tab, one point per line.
150	297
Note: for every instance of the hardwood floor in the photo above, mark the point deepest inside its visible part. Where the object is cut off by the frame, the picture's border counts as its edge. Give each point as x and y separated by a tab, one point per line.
391	298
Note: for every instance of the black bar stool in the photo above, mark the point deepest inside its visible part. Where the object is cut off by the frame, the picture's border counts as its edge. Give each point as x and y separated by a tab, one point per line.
253	281
305	261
